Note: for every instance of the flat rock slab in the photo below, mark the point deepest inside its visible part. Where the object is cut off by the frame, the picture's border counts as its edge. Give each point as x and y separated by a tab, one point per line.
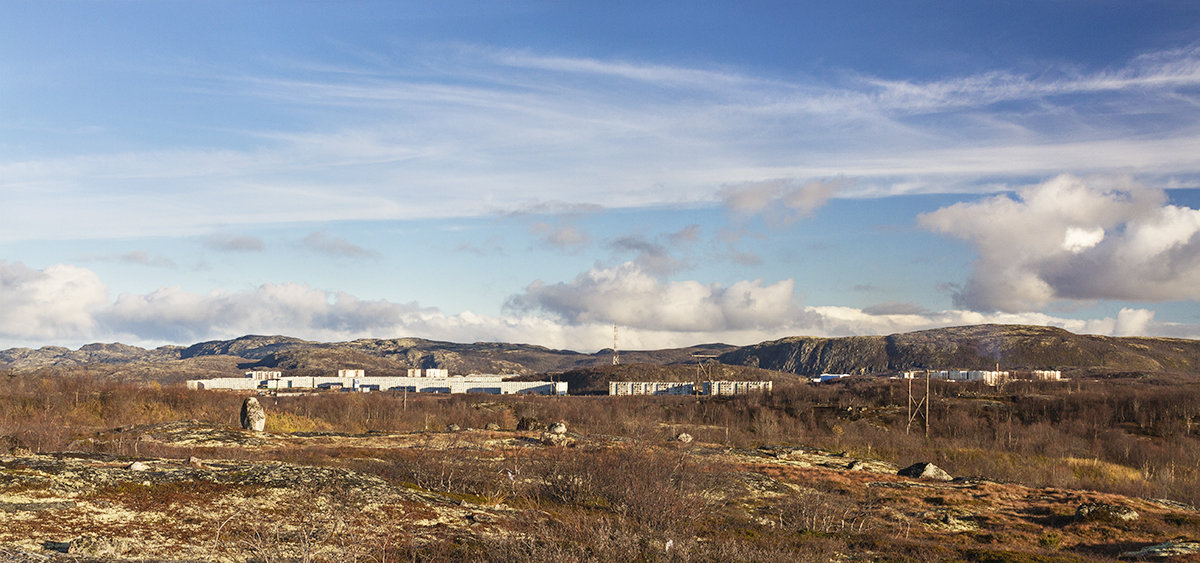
1162	551
35	506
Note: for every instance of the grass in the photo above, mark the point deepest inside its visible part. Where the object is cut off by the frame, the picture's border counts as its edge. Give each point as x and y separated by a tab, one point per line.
626	489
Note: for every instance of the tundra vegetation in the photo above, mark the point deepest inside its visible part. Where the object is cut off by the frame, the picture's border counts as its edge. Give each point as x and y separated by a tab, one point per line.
805	473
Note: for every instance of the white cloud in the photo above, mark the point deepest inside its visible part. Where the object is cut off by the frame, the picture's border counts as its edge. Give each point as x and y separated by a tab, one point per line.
626	295
68	304
55	303
507	130
1073	239
781	200
1079	239
1132	322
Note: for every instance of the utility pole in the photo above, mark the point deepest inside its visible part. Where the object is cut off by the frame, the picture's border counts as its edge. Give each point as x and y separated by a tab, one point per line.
914	406
703	371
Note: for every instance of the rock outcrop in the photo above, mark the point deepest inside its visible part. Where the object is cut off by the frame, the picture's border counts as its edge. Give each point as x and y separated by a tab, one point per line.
925	470
1105	512
1166	550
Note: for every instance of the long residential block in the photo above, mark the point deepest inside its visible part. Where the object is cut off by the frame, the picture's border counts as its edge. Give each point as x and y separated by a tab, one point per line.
687	388
490	384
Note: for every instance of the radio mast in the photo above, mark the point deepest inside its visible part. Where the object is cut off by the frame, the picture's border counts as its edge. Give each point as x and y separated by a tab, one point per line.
616	356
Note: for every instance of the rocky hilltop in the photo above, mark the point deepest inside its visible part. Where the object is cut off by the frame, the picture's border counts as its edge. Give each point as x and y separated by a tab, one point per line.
969	347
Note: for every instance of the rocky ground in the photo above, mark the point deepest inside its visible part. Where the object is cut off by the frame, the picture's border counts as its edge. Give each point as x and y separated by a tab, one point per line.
260	496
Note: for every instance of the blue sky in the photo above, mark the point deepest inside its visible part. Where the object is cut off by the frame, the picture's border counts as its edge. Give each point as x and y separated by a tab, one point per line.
537	172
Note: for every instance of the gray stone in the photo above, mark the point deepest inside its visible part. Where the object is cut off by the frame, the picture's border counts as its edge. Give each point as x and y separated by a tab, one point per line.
558	428
1175	548
925	470
551	439
453	427
36	506
253	416
482	518
1105	512
684	437
137	466
491	426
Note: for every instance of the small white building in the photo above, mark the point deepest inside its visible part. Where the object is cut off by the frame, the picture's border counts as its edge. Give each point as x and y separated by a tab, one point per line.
992	378
351	373
736	387
261	375
827	377
1047	375
651	388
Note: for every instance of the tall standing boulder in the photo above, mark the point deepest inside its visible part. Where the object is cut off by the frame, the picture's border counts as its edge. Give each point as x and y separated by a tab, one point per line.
253	416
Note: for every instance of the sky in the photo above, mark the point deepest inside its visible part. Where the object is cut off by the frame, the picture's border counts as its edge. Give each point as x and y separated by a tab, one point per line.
540	172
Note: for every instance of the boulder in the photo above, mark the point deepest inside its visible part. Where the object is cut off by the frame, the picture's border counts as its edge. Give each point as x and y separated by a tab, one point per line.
551	439
137	466
491	426
253	416
529	423
684	437
558	428
925	470
1105	512
453	427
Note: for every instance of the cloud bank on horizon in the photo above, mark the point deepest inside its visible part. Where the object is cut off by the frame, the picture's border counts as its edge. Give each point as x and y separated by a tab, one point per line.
395	171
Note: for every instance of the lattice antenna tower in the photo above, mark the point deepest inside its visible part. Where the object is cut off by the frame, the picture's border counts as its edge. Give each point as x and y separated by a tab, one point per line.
704	369
616	355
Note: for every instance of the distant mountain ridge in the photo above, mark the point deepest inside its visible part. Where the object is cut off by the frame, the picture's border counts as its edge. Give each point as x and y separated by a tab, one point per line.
968	347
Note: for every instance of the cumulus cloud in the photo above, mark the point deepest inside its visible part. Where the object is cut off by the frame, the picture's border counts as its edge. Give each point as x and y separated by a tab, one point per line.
892	308
64	303
338	247
627	295
53	303
1074	239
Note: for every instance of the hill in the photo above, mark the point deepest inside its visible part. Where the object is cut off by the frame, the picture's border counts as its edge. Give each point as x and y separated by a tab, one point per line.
969	347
